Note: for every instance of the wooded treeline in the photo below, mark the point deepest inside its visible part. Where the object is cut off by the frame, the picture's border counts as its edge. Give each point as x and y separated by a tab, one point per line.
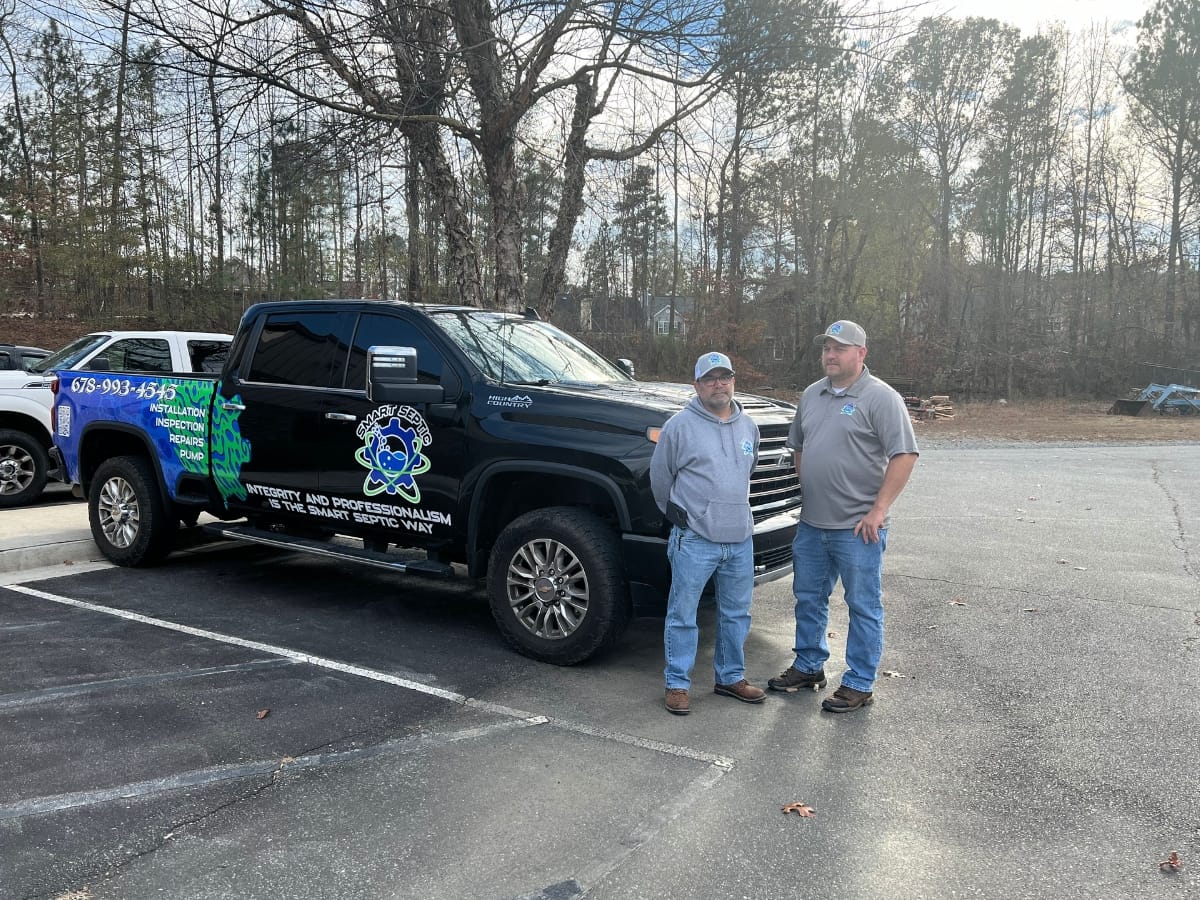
1005	213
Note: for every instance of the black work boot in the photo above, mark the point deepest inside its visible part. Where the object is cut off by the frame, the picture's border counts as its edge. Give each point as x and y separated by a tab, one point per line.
794	680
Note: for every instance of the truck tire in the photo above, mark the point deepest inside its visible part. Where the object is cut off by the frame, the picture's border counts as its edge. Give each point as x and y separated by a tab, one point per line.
556	585
23	468
130	522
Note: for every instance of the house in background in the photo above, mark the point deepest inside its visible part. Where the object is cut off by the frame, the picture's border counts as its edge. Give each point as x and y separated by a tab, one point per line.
660	318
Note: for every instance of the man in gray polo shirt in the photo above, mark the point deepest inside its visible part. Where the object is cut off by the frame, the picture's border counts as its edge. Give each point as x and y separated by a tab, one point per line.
855	438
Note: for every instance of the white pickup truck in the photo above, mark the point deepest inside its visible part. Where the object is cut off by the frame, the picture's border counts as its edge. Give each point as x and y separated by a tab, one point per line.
25	398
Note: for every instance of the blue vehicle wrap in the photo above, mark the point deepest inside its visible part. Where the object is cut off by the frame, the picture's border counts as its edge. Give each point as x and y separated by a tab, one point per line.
182	417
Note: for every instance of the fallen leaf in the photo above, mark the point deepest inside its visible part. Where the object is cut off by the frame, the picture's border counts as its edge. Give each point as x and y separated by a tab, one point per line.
957	601
1080	568
262	713
890	674
1031	609
1172	862
931	627
803	810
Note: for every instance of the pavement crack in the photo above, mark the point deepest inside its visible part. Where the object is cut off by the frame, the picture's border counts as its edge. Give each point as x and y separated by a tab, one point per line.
1181	539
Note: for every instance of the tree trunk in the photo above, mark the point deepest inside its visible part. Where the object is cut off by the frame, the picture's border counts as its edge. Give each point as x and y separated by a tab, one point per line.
460	238
571	202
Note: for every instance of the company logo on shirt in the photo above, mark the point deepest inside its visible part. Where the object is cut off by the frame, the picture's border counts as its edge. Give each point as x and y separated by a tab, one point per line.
747	448
848	409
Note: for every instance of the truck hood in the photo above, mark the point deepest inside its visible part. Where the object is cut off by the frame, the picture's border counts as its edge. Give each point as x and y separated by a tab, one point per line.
662	396
17	378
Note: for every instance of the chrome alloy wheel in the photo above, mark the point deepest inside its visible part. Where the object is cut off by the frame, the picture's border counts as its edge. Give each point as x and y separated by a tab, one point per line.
547	588
16	469
119	513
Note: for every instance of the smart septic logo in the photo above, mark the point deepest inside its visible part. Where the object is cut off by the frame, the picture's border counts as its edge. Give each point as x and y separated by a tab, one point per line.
393	440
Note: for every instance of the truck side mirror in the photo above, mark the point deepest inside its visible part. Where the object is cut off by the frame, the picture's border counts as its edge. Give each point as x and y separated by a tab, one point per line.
392	377
99	364
626	366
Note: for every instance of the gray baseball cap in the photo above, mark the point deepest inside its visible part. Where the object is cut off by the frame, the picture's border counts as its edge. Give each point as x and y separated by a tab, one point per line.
709	361
844	332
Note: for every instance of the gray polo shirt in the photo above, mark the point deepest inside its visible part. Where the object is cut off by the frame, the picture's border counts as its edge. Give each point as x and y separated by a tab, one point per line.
847	441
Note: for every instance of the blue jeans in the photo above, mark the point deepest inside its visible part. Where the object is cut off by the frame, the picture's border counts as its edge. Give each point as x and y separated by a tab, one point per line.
819	557
693	561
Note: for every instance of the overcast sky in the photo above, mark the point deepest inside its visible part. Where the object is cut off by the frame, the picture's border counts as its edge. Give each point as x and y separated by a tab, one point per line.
1027	14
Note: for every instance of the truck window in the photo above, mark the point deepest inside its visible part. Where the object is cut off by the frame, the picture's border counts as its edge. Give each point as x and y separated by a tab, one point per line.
138	355
69	356
302	348
378	330
517	350
207	356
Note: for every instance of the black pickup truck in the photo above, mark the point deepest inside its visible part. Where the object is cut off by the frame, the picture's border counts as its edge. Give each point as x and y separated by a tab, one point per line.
366	429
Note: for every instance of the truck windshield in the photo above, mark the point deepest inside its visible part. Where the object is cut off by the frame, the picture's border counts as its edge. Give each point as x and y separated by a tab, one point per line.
70	355
517	350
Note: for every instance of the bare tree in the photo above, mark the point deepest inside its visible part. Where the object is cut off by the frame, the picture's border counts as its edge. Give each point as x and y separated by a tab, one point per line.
1163	82
466	70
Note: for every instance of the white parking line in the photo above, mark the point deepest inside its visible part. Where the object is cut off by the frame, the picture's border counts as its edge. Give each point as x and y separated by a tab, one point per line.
45	695
591	872
274	649
721	762
36	806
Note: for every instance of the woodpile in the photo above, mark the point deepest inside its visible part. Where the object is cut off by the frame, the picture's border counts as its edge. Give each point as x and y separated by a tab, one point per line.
930	409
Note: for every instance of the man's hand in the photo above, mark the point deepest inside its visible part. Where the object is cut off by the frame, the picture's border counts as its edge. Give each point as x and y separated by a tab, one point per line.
868	526
895	477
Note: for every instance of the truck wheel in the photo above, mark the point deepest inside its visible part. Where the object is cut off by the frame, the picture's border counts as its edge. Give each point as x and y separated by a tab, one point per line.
130	523
556	586
23	467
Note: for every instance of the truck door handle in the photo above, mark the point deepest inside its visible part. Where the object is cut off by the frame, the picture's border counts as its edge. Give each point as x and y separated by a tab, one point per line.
232	406
341	417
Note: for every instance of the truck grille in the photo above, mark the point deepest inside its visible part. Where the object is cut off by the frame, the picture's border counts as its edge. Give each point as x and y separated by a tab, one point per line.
774	487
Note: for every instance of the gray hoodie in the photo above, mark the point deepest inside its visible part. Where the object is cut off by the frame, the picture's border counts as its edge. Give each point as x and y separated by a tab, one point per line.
703	464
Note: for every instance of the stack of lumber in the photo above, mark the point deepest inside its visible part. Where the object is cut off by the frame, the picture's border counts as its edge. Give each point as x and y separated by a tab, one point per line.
930	409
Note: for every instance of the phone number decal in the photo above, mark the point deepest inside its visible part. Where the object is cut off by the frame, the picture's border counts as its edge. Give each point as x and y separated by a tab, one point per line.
123	387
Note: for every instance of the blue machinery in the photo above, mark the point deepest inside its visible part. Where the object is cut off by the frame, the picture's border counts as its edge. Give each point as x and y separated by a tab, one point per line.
1160	398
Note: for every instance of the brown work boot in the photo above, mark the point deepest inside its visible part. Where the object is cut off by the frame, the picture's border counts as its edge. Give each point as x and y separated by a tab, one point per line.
743	690
677	702
845	699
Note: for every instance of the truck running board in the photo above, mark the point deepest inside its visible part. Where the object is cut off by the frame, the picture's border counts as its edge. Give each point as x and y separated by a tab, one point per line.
242	532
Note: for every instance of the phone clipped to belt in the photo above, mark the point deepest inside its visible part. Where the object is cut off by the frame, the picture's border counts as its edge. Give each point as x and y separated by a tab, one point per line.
676	514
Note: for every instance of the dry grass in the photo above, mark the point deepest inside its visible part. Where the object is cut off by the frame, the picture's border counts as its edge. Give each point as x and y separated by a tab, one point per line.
1058	420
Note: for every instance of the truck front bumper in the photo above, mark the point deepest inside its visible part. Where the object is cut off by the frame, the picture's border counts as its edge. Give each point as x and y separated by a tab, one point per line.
649	571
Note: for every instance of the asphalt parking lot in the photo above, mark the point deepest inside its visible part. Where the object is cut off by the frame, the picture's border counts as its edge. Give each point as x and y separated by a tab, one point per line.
242	723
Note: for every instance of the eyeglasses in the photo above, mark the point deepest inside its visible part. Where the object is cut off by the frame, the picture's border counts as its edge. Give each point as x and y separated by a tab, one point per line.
710	380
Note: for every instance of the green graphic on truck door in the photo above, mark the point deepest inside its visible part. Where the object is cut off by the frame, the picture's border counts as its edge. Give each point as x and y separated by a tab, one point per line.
230	451
181	408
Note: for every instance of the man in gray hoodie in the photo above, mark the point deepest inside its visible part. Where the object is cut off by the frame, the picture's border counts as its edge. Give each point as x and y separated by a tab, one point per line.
700	475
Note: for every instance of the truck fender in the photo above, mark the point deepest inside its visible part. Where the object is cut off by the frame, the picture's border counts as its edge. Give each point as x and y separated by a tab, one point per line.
507	467
25	414
130	435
